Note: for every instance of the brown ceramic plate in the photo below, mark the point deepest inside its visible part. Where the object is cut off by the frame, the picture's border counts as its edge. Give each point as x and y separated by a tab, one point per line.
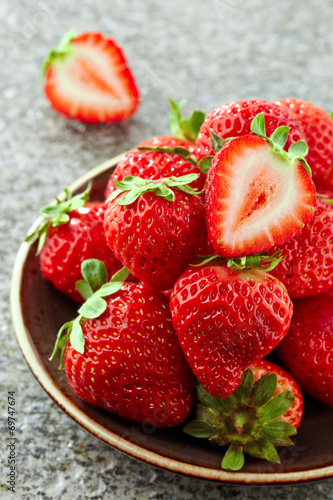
38	310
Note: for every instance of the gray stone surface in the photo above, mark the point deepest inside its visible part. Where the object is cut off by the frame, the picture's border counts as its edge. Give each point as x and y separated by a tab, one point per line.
208	52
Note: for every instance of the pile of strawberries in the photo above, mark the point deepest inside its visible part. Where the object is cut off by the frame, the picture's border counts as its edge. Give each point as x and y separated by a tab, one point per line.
212	248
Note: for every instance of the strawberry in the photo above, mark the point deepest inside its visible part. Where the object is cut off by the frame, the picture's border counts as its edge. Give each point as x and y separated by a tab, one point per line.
307	268
257	194
70	232
121	353
264	410
318	130
234	120
155	228
155	163
307	349
184	130
87	78
228	315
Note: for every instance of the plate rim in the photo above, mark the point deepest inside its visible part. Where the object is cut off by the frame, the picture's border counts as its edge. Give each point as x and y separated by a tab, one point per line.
97	429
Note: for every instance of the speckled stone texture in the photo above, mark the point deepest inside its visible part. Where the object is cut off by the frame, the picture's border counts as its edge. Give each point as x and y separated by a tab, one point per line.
208	52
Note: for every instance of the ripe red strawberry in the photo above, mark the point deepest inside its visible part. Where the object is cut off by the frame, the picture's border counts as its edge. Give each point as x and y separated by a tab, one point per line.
234	120
318	130
257	194
307	349
123	355
156	227
307	268
70	232
87	78
156	164
227	319
264	410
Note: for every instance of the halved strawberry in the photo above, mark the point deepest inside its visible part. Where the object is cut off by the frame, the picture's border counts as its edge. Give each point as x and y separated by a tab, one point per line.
88	79
257	194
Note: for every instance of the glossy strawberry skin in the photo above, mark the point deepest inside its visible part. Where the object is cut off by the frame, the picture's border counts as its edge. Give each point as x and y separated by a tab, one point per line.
167	141
94	83
156	239
307	268
68	245
226	320
307	349
285	382
234	120
132	364
318	130
254	199
153	165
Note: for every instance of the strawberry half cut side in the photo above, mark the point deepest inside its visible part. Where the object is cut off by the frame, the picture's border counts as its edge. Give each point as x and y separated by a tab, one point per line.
258	194
88	79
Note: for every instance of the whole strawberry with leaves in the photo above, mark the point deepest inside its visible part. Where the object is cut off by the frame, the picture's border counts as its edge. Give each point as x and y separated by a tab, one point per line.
156	227
318	130
70	231
258	195
307	267
307	349
229	313
234	120
155	163
121	352
259	415
164	155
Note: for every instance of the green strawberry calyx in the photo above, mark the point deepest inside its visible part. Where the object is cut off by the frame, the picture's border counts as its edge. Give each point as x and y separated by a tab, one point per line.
277	141
248	421
263	261
57	214
136	186
94	287
185	128
64	48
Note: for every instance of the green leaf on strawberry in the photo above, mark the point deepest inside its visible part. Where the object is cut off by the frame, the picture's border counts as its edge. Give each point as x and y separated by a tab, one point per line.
64	48
247	420
57	214
185	128
217	141
261	260
133	187
94	287
278	139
